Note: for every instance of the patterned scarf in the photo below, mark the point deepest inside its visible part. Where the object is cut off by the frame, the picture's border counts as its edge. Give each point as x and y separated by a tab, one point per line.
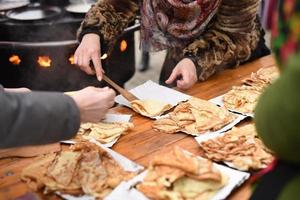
174	23
286	30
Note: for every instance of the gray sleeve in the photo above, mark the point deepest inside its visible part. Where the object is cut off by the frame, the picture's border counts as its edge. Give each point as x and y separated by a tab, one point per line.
36	118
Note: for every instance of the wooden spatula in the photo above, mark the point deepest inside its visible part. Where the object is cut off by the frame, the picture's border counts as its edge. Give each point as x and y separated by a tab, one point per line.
126	94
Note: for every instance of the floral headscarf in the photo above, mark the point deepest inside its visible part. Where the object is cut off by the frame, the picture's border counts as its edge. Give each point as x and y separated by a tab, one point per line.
286	30
174	23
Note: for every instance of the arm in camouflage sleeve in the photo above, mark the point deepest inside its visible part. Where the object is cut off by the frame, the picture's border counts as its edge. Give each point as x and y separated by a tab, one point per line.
108	18
230	40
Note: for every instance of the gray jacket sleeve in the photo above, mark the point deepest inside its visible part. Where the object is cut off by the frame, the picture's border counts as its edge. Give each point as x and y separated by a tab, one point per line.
36	118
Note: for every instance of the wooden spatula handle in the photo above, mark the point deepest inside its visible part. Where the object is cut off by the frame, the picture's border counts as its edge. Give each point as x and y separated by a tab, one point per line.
127	95
113	84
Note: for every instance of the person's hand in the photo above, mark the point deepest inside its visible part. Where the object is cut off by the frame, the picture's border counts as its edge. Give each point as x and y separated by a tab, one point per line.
93	103
89	50
23	89
185	73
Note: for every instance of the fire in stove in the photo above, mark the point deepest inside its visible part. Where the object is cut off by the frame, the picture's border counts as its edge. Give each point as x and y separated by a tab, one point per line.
44	61
123	45
71	59
15	60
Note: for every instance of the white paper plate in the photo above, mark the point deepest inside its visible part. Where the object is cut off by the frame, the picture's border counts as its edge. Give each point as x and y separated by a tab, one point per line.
108	118
219	101
237	120
126	190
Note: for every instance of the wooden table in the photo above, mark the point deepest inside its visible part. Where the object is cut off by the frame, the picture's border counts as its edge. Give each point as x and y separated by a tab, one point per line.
141	144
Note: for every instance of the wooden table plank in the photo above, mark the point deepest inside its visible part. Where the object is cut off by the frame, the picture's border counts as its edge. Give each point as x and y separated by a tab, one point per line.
143	143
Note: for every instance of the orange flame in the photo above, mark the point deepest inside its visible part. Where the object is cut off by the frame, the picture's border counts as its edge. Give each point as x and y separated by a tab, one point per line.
123	45
104	56
44	61
15	60
71	59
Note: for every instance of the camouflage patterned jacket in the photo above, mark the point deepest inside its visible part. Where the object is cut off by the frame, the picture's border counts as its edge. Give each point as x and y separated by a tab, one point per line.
229	39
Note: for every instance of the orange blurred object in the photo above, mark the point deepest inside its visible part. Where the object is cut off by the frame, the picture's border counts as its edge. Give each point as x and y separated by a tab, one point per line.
123	45
44	61
71	59
15	60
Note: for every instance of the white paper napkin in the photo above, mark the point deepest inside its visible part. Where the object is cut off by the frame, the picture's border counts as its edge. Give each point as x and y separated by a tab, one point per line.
152	90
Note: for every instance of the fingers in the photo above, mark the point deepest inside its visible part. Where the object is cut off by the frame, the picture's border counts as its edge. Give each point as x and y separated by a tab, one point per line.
82	61
77	57
175	73
187	70
85	66
97	65
185	82
87	51
102	89
111	97
109	94
94	102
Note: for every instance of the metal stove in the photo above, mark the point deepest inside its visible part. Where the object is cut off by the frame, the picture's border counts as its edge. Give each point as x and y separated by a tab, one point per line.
38	54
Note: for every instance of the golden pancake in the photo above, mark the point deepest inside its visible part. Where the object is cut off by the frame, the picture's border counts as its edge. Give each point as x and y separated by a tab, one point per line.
103	132
194	117
242	99
241	147
178	175
85	168
149	107
263	77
